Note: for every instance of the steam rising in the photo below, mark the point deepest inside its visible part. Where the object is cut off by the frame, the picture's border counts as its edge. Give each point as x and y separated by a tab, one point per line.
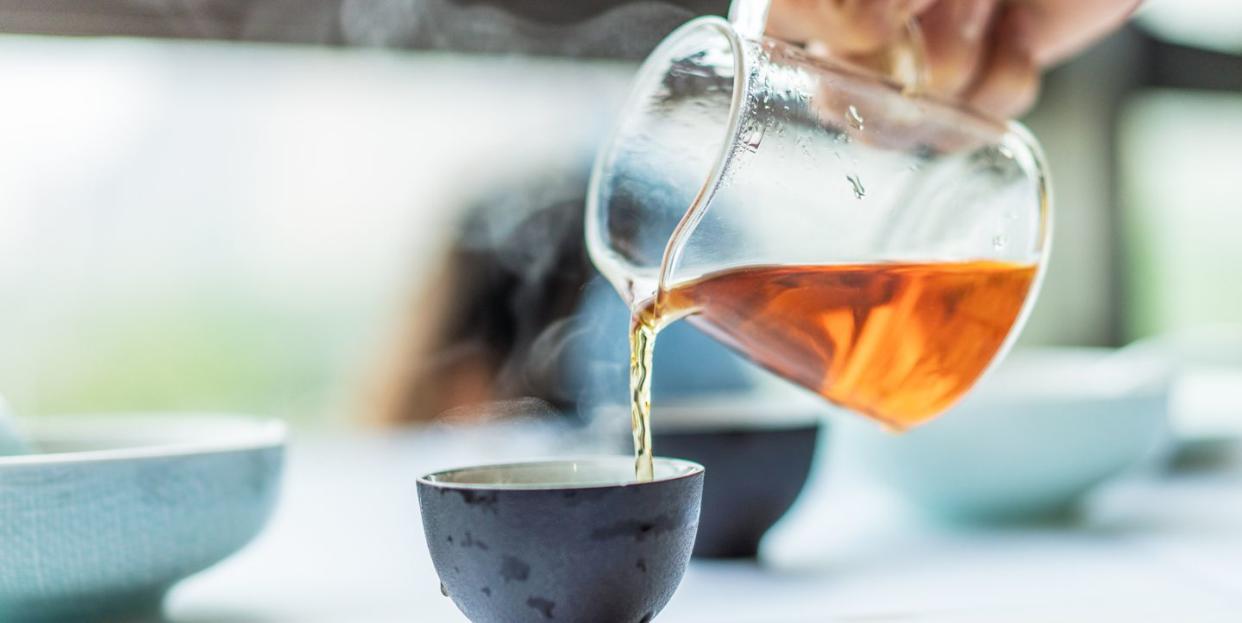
590	28
628	30
518	269
515	409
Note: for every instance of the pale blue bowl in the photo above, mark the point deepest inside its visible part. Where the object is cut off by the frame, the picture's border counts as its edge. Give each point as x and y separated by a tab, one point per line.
1031	440
119	509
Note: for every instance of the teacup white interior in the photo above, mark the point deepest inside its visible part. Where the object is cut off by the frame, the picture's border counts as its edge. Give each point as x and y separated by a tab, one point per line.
575	473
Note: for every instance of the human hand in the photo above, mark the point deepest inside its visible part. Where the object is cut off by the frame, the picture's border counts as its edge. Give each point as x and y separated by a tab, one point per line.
987	53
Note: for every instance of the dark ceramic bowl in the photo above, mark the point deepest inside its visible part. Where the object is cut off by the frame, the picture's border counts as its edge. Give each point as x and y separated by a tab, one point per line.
570	540
759	464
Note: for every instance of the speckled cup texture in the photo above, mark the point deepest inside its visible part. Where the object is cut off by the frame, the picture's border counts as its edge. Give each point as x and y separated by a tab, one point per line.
573	540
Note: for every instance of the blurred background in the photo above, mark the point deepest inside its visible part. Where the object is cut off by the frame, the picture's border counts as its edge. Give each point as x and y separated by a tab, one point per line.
267	206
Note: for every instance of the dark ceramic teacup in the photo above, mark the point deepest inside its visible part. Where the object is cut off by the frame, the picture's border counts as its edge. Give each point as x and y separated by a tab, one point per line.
759	454
568	540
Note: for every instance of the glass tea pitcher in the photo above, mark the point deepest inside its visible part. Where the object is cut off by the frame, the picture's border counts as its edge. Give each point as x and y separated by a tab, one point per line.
875	245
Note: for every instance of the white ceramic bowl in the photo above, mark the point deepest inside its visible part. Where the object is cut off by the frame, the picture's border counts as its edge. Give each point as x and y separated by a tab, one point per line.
118	509
1205	406
1036	434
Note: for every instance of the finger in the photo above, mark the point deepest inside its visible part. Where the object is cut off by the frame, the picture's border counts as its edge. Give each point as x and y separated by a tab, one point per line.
1009	80
846	27
954	39
1064	27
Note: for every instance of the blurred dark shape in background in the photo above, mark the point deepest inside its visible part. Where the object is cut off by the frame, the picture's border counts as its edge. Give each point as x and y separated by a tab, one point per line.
491	324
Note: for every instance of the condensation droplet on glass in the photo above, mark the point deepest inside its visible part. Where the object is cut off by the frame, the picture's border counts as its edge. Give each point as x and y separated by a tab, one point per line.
857	186
854	118
806	150
443	589
753	137
999	241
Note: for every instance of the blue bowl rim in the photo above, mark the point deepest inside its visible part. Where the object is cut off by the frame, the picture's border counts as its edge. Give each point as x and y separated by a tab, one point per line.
233	432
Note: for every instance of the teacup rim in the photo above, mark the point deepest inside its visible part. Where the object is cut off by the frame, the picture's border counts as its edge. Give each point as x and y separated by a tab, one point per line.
693	469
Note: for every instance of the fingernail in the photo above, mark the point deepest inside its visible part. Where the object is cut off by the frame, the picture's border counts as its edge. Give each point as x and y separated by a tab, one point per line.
815	47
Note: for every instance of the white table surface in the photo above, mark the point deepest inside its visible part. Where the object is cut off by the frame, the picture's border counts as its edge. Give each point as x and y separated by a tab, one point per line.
346	545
